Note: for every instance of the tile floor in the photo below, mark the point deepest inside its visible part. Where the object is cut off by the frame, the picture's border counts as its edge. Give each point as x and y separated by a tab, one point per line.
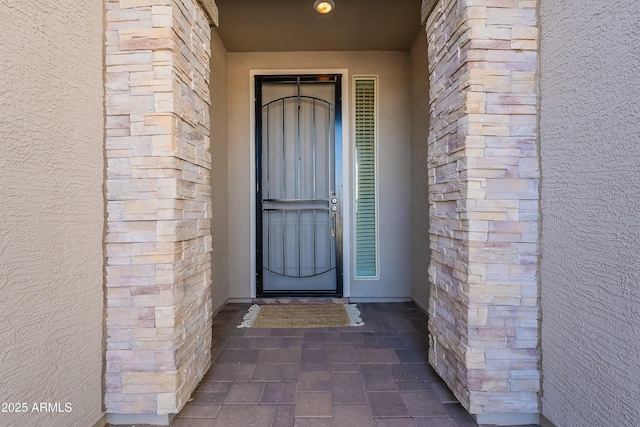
375	375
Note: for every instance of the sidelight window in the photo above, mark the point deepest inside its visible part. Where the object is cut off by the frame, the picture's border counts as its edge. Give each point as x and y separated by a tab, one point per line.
366	252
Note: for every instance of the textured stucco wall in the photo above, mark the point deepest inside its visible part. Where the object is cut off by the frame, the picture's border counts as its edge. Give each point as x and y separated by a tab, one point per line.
590	271
51	210
392	69
219	173
420	253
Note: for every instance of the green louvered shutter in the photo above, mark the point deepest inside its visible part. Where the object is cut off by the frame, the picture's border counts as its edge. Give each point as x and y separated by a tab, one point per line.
365	136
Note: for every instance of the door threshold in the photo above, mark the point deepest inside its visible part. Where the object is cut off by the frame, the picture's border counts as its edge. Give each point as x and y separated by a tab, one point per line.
300	300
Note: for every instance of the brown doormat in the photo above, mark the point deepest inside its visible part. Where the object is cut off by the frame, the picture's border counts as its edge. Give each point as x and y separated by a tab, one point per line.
302	316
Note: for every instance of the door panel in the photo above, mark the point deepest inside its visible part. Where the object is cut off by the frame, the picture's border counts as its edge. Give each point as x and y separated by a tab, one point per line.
297	201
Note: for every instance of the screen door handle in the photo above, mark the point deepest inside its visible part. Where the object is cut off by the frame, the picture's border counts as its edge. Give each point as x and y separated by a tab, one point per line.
334	212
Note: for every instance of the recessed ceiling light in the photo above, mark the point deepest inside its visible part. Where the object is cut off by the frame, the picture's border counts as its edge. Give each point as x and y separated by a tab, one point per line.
324	6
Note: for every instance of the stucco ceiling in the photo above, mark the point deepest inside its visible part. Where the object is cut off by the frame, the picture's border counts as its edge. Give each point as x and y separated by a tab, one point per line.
293	25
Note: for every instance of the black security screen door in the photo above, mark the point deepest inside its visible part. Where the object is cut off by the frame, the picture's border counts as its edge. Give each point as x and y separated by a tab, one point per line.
298	176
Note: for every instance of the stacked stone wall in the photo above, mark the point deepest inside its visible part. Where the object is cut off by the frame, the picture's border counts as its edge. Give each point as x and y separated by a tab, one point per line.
158	243
483	186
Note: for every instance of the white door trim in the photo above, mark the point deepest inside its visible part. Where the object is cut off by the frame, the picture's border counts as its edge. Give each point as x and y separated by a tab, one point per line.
346	169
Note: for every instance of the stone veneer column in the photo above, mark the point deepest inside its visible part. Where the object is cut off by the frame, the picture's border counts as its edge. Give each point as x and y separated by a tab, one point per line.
483	188
158	243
